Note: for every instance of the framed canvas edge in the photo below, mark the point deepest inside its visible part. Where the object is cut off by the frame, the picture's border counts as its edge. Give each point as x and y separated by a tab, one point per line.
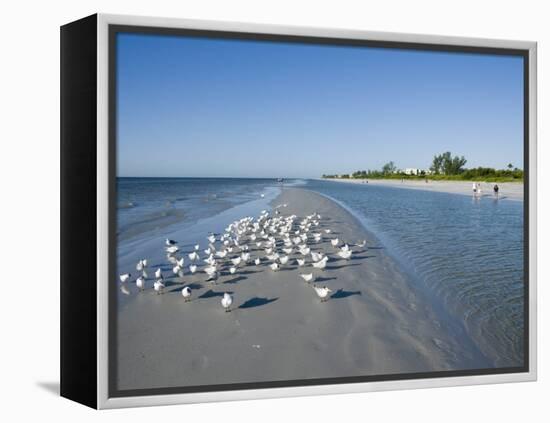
103	399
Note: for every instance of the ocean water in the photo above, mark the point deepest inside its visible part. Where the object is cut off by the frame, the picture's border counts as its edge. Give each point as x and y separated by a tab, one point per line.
149	205
467	253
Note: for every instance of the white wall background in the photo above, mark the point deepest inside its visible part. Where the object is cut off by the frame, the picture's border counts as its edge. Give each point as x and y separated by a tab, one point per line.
29	226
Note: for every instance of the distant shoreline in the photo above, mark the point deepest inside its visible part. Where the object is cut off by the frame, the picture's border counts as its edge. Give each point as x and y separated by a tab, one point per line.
507	190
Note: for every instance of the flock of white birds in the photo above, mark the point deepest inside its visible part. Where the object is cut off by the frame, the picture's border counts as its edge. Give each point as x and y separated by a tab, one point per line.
275	240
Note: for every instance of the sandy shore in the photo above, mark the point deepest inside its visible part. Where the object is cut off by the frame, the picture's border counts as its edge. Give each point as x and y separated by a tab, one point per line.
507	190
376	321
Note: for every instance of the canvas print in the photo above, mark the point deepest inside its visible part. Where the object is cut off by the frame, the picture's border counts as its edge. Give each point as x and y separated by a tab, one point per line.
299	212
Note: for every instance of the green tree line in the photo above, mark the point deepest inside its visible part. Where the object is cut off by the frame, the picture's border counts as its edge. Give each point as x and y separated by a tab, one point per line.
444	167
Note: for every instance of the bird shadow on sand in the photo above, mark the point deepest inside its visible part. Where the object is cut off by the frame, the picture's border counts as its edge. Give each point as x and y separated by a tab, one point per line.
211	294
257	302
361	251
249	272
285	268
171	283
325	279
344	294
190	285
361	257
235	280
194	285
342	266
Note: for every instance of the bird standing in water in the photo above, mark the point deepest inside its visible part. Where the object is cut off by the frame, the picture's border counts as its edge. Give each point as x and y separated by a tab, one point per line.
125	277
140	283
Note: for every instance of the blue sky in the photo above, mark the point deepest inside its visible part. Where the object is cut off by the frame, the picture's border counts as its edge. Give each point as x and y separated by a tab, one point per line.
208	107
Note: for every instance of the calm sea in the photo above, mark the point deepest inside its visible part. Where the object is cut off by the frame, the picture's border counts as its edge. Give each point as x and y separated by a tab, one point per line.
152	204
467	253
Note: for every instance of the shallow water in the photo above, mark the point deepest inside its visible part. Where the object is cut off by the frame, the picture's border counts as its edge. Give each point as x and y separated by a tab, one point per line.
467	253
151	204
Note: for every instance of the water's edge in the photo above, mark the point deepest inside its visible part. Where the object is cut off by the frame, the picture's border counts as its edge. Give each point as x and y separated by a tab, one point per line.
415	282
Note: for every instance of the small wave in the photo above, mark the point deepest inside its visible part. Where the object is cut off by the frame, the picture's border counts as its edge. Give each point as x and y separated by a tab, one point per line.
151	221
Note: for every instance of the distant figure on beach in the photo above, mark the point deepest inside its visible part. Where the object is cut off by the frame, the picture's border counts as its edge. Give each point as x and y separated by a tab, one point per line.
474	188
426	180
495	190
479	188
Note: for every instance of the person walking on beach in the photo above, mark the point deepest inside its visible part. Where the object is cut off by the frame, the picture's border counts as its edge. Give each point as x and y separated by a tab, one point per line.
479	188
495	190
474	188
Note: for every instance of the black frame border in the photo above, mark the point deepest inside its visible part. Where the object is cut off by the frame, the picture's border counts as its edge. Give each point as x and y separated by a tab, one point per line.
78	211
115	29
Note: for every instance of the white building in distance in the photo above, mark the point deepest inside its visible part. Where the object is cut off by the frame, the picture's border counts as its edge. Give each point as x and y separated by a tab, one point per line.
416	171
